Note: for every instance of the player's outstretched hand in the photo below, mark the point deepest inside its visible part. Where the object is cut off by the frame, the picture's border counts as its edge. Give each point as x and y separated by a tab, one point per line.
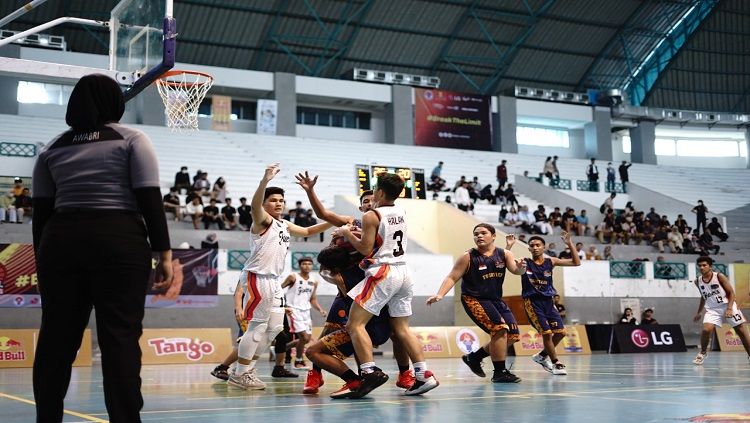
510	239
305	181
565	236
697	317
271	171
521	263
435	298
341	231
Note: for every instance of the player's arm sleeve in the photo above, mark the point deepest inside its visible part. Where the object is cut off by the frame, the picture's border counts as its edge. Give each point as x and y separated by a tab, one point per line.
43	202
144	179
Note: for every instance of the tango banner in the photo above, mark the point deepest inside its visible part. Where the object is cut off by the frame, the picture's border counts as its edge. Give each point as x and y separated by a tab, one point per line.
185	346
452	120
575	342
195	279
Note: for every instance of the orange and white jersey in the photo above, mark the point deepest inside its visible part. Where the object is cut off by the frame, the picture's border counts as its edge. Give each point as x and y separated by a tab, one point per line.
299	293
390	241
712	292
269	250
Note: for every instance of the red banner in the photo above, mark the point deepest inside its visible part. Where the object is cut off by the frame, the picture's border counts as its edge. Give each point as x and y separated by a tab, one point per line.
453	120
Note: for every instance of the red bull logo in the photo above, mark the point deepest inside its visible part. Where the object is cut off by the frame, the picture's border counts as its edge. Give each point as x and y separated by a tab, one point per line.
11	350
531	340
430	342
193	349
731	339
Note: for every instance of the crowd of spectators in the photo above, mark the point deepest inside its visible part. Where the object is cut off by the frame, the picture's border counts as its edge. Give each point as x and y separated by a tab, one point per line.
16	203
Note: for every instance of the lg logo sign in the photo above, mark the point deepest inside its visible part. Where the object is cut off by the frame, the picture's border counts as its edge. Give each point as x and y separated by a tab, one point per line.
641	339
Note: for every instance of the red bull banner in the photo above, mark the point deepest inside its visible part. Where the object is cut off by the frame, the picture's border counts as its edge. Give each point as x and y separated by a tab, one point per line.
185	346
449	341
196	279
728	339
17	348
575	342
451	119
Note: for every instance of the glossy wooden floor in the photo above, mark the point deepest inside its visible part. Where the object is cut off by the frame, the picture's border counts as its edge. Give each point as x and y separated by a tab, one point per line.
598	388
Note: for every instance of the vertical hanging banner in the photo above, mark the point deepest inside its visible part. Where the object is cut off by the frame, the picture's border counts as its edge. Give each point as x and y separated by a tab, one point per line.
453	120
221	113
267	111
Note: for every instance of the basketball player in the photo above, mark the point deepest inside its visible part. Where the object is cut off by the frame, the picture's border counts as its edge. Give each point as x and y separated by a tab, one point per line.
269	238
345	279
300	297
537	291
482	273
717	299
384	244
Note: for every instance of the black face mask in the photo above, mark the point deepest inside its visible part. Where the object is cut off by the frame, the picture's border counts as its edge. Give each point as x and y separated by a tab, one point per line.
95	100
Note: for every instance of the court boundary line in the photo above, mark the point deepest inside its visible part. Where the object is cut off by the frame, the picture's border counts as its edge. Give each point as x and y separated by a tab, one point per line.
65	411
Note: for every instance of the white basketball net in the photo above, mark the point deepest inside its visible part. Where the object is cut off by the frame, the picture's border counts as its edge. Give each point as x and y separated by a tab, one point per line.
182	93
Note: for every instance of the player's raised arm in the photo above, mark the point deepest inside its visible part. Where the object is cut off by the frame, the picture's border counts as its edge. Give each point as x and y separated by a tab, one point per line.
370	222
261	219
308	185
458	271
297	230
574	260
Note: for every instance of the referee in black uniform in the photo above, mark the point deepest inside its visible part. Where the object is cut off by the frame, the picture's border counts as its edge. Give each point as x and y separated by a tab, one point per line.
97	205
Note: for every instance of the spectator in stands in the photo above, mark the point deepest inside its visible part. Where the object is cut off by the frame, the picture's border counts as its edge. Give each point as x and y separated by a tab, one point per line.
522	238
172	204
555	171
628	226
568	221
463	199
17	186
627	317
436	170
609	203
244	211
592	174
665	221
312	221
202	186
654	217
593	254
23	205
541	222
559	306
565	254
549	171
193	194
229	215
715	229
648	317
551	250
526	174
219	191
510	195
624	178
647	232
502	174
8	208
606	228
681	224
448	199
197	176
706	243
459	183
581	250
511	219
502	214
211	215
211	241
582	223
607	255
526	219
500	196
674	239
437	184
555	218
619	235
700	211
435	196
194	209
300	214
474	188
610	178
660	236
629	207
486	194
182	179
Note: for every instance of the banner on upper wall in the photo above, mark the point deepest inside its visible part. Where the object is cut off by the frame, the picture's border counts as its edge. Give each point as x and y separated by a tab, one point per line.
221	113
195	283
267	111
742	285
575	342
453	120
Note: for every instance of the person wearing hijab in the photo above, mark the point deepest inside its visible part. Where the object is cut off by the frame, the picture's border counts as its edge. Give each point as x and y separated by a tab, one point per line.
98	215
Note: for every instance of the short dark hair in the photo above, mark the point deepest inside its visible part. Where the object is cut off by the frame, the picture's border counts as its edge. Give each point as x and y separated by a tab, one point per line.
485	226
271	191
705	259
227	199
334	258
243	199
304	259
648	309
536	238
183	168
213	200
364	194
391	184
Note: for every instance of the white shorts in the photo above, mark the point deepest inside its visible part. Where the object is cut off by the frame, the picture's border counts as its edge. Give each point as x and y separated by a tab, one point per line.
383	285
715	316
299	321
262	293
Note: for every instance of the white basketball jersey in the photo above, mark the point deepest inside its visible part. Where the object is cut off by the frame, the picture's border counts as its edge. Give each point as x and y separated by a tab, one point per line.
269	250
712	292
298	295
391	241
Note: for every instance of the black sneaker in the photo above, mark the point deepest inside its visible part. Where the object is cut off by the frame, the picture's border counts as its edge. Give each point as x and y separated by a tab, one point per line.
474	365
220	372
370	381
280	371
505	376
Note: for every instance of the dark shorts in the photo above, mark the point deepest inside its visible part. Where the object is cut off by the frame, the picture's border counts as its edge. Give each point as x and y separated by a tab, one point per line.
338	314
339	343
543	314
491	316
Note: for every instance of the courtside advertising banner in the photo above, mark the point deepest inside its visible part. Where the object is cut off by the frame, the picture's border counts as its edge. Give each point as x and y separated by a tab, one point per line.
185	346
196	281
727	339
648	339
575	342
453	120
742	285
17	347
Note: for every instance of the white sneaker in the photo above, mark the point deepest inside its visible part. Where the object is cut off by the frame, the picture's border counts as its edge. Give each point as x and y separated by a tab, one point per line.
545	362
698	360
559	369
248	380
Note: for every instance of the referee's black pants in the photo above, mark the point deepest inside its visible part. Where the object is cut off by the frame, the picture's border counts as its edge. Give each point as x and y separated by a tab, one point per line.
85	260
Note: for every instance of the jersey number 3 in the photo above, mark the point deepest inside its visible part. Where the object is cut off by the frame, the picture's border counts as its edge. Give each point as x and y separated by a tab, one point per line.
398	236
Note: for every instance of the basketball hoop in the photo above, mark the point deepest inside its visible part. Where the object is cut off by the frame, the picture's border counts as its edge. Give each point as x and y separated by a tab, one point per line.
182	92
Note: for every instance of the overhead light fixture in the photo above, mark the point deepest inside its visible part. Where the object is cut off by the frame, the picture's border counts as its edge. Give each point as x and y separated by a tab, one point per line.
397	78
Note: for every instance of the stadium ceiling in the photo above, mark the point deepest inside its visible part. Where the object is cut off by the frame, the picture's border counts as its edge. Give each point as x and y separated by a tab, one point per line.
688	54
